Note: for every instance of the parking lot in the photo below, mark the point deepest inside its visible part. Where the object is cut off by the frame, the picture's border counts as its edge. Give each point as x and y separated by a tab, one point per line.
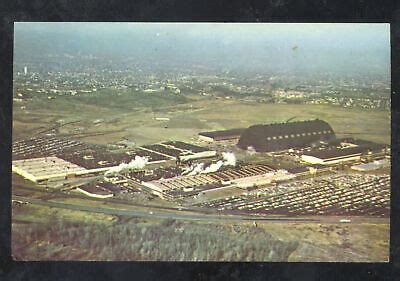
44	147
346	194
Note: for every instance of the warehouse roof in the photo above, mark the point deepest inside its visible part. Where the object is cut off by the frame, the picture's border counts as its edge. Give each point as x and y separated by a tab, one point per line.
279	136
223	134
44	168
276	129
298	170
186	146
336	152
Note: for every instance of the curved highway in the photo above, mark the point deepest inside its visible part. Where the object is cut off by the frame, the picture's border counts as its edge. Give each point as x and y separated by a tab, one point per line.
157	214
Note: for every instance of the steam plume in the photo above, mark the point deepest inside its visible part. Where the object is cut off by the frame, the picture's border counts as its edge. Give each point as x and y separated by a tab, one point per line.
251	150
196	169
229	159
213	167
137	163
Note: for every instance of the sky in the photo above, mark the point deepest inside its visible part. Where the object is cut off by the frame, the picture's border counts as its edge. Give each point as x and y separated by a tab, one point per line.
282	47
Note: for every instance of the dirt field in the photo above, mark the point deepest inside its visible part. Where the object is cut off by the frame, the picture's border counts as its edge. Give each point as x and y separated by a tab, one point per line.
336	242
186	120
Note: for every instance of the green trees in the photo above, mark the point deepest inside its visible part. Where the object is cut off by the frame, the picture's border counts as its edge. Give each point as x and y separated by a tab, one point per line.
168	240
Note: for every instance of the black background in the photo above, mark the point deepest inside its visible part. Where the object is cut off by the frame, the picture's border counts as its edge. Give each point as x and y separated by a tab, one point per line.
185	11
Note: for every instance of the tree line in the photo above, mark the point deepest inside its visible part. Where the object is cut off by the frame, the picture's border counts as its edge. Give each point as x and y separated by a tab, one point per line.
168	240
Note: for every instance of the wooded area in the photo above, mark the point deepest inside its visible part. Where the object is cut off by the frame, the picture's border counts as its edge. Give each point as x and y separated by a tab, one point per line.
134	240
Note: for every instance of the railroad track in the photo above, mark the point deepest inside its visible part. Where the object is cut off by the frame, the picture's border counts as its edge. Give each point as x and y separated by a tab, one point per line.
156	214
49	194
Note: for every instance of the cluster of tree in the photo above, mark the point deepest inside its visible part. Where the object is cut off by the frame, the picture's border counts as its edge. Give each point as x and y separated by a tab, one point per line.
127	99
169	241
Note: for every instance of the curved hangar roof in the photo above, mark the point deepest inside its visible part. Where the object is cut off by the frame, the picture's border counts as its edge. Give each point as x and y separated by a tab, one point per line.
275	137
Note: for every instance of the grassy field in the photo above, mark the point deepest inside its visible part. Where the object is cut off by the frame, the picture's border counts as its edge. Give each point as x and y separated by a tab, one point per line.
335	242
222	114
135	120
26	214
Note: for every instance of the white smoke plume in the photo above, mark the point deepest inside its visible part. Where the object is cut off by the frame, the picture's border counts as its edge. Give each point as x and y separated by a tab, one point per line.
230	158
187	170
251	150
196	169
213	167
137	163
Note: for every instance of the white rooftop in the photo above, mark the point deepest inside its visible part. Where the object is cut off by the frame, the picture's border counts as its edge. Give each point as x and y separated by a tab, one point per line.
37	169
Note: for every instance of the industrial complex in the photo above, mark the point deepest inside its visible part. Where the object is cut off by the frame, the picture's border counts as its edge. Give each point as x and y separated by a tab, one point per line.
290	168
231	135
274	137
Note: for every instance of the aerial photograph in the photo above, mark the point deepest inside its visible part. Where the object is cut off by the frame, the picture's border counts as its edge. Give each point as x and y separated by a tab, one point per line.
253	142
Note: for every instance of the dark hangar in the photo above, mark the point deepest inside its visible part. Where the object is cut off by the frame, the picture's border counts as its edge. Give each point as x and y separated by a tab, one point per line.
281	136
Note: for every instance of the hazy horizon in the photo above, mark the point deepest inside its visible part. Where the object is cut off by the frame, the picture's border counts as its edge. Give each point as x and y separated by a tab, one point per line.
312	48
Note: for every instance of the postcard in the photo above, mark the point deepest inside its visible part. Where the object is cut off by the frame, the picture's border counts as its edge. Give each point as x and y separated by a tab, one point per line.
201	142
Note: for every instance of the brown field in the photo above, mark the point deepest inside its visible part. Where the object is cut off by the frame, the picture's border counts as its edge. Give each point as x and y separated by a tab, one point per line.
336	242
205	114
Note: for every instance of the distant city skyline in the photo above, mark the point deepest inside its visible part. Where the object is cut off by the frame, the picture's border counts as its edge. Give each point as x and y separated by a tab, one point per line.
312	48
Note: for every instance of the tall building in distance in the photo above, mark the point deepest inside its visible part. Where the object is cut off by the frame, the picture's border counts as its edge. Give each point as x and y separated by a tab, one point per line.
25	70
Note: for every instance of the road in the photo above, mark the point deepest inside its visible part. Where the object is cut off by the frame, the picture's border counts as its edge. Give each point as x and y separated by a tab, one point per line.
194	217
50	194
156	214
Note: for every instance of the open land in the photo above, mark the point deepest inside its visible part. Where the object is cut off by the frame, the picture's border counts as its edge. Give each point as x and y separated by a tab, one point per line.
117	236
72	230
185	120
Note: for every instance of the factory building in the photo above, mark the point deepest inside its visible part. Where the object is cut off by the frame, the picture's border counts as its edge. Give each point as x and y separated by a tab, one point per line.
309	170
263	179
242	176
231	135
46	168
334	155
95	192
60	164
371	166
179	150
79	164
355	150
281	136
